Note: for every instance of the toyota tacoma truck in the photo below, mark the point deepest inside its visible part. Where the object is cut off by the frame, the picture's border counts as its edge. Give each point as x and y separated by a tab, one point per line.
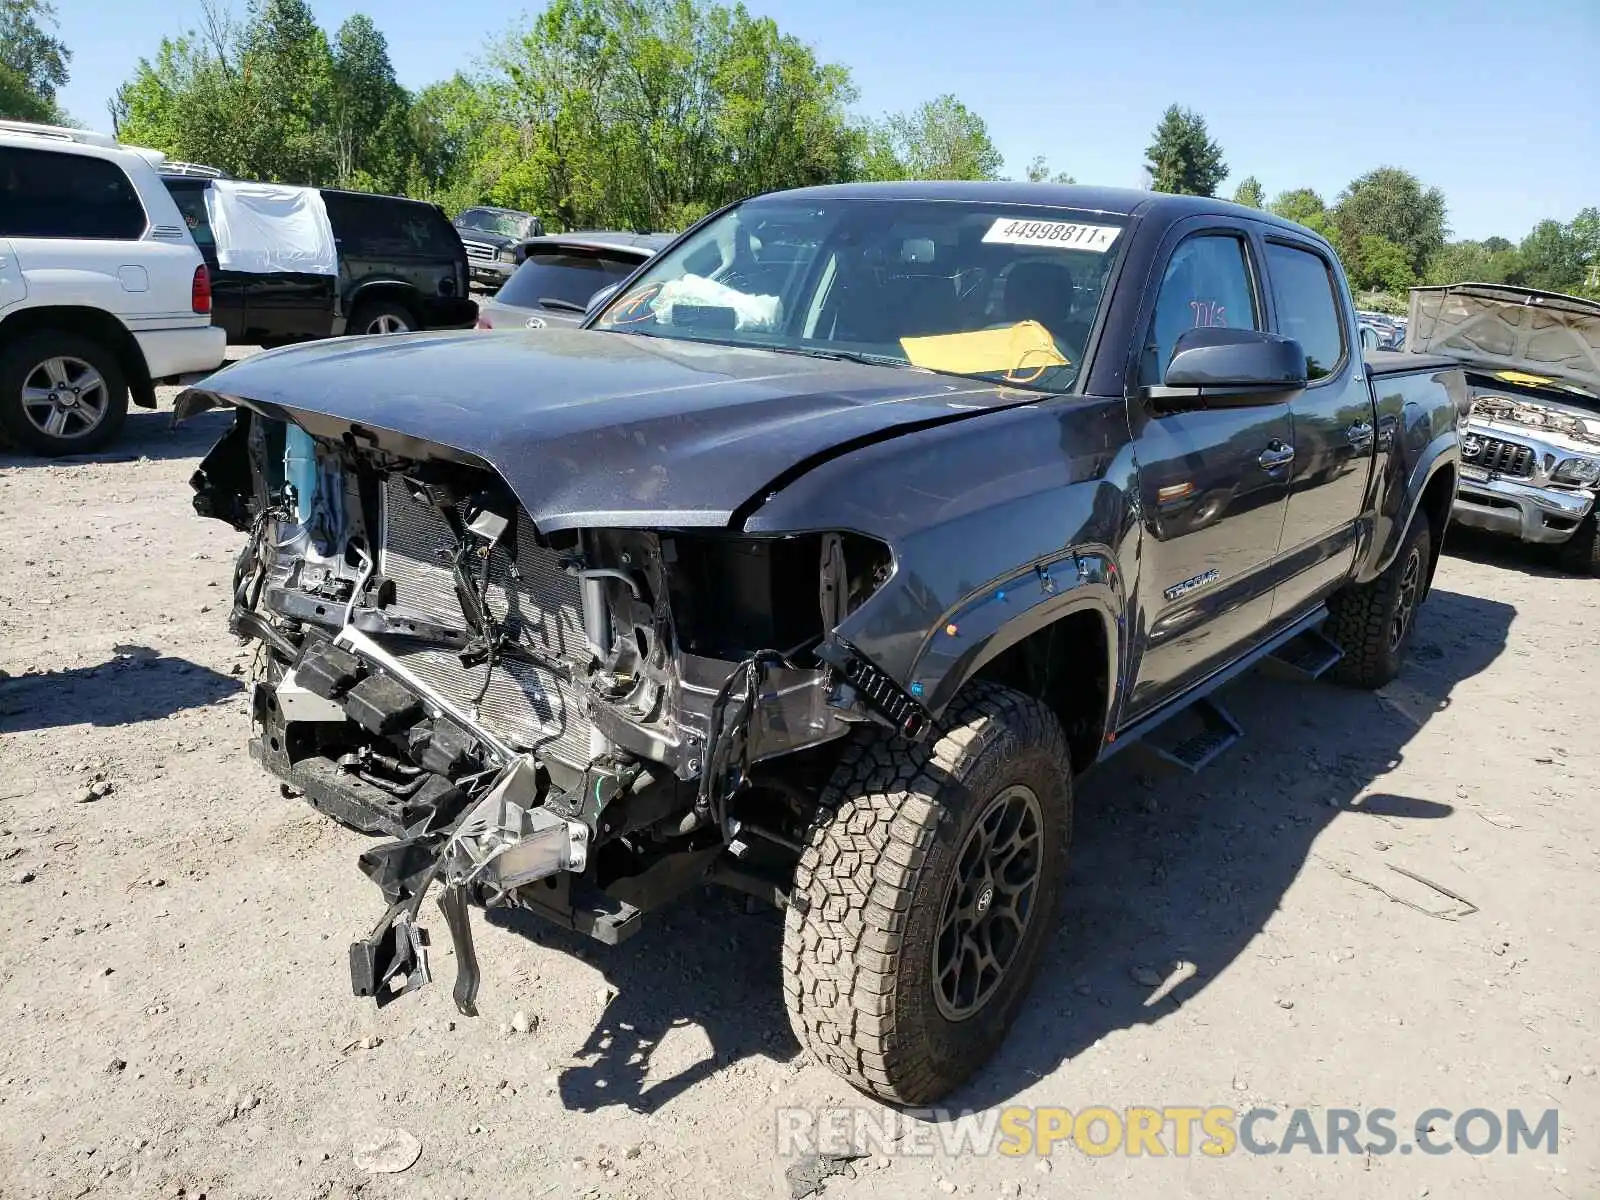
821	562
1530	456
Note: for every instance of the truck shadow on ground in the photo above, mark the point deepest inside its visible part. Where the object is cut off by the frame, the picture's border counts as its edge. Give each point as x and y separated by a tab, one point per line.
138	684
146	435
1489	550
1166	868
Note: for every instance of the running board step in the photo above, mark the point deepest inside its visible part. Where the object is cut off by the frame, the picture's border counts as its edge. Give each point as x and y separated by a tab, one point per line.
1308	655
1218	732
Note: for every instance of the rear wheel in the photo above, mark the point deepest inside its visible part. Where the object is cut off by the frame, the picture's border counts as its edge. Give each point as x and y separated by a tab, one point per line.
926	894
1581	553
1373	622
61	393
382	316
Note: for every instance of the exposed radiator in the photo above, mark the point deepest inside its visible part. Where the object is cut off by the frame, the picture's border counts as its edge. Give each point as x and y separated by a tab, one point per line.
527	705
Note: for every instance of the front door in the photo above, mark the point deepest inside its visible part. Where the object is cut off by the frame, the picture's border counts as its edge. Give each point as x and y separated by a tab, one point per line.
1213	484
1334	427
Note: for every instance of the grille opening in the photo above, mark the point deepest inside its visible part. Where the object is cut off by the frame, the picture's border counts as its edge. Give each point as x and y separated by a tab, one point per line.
1499	456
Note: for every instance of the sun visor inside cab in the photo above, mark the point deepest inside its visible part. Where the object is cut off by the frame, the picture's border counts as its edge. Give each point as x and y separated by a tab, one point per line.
267	228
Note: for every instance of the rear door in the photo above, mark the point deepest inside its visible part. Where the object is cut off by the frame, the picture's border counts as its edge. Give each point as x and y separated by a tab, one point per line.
1211	487
1333	422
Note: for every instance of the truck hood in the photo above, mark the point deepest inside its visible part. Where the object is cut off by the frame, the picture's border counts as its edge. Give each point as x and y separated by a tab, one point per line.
1524	336
595	429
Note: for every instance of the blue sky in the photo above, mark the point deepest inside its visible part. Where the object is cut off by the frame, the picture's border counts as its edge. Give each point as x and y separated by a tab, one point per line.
1495	101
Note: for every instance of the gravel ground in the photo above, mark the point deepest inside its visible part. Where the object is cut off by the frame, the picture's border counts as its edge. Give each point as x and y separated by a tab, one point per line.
173	968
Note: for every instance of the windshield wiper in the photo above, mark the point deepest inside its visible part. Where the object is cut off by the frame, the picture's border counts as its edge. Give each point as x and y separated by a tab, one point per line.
561	305
855	356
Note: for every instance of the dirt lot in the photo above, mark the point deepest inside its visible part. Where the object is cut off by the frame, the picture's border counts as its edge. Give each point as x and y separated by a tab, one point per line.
173	968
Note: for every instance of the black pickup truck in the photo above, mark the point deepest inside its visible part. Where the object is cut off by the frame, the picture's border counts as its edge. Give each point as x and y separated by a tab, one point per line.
821	563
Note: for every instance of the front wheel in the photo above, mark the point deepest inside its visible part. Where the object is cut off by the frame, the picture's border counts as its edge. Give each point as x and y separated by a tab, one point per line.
61	393
1373	622
926	894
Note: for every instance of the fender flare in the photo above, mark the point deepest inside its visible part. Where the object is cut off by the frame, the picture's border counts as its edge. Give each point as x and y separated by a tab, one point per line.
1442	454
992	619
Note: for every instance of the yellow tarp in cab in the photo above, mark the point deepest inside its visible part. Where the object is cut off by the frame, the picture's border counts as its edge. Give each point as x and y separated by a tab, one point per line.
1021	351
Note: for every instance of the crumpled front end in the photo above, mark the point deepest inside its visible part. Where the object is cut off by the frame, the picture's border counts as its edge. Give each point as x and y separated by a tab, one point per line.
1530	466
571	723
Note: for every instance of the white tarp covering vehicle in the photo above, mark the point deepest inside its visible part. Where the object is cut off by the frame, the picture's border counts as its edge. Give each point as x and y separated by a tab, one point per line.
266	228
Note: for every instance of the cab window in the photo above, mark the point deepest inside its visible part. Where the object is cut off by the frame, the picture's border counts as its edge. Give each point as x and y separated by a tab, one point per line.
1308	306
1207	283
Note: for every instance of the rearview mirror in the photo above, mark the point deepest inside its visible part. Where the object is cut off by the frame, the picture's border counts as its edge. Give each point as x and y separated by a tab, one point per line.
1218	367
598	300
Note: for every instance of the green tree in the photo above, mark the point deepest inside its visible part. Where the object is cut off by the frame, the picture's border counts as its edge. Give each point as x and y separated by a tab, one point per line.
1039	172
939	139
1249	193
646	113
1551	258
1585	229
33	62
1183	159
1382	266
371	111
1391	204
1493	260
270	98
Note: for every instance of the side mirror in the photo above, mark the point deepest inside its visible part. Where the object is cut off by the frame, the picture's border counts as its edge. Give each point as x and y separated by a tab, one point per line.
1221	368
598	300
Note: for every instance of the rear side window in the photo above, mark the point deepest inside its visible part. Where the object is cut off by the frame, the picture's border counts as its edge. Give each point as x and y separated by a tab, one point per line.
1206	284
376	227
1308	306
570	276
191	201
57	194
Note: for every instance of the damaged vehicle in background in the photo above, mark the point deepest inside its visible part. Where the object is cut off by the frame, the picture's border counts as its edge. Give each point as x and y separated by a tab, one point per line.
1530	458
819	564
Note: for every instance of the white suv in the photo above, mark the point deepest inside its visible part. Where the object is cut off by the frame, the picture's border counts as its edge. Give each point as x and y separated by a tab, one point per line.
103	292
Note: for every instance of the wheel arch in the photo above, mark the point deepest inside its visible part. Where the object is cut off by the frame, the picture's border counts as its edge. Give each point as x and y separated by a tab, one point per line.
376	290
1053	633
89	322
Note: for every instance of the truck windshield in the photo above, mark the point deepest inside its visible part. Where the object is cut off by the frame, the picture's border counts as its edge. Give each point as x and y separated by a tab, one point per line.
508	224
1002	292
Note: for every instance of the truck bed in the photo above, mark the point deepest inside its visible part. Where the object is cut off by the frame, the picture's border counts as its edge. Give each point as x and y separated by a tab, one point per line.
1398	362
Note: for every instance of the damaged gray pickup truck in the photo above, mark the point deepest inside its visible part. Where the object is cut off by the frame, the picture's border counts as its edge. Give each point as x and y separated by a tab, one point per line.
1530	456
840	541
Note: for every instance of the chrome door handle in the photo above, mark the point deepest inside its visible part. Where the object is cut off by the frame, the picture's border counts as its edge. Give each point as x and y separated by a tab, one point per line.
1359	434
1278	454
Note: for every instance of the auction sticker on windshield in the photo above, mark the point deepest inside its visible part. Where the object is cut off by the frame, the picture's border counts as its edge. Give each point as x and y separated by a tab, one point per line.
1069	235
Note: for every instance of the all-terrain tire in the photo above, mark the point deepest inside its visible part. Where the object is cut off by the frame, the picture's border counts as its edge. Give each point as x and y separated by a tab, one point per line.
33	362
382	316
1373	622
880	865
1580	554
